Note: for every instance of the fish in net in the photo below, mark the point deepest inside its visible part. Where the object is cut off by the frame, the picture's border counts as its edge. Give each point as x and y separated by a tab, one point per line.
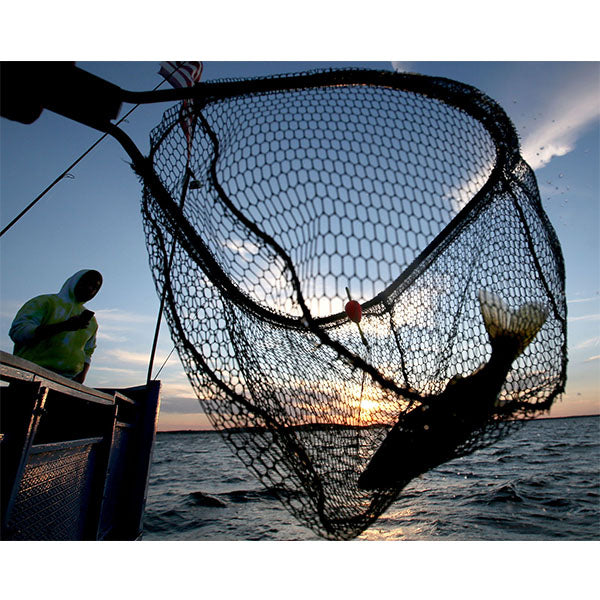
359	278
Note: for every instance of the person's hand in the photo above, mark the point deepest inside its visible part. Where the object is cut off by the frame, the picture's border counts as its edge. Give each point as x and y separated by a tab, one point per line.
73	324
78	322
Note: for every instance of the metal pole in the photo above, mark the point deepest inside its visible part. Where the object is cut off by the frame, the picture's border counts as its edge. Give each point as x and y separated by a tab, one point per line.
186	181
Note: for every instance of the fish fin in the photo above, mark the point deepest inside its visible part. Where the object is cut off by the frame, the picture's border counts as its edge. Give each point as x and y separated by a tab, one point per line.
501	321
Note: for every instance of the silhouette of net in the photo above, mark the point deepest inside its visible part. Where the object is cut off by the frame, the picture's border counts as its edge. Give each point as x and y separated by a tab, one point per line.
407	190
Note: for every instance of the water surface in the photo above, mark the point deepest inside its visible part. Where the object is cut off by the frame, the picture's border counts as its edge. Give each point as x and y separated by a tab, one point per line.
541	483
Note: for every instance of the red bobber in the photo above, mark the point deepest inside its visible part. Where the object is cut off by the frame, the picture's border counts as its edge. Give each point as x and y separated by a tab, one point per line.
354	311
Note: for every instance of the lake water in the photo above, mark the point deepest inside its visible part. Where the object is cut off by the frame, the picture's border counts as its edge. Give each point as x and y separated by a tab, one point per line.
541	483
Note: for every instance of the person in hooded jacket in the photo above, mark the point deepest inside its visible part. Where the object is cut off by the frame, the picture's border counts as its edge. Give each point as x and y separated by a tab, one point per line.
56	331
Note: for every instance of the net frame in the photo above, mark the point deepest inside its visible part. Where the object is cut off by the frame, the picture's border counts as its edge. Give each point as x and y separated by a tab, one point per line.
283	458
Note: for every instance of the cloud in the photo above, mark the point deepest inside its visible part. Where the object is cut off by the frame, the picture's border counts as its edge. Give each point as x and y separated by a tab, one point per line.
172	390
590	343
107	337
115	325
399	66
121	316
584	318
245	248
138	358
591	358
578	300
180	404
565	120
130	372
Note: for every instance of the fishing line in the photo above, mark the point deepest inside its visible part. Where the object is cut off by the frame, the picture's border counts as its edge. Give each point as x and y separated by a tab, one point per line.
65	173
166	359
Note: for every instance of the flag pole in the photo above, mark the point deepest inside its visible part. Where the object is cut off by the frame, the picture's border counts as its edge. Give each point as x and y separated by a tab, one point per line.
186	75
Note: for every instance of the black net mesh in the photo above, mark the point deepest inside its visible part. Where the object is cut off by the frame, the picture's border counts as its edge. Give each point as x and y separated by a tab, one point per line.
406	191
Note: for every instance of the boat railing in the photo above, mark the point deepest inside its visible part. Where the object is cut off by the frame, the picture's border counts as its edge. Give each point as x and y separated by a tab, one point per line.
75	460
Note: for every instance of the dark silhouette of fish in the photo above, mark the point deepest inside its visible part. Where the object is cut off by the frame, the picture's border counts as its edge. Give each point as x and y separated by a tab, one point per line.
429	434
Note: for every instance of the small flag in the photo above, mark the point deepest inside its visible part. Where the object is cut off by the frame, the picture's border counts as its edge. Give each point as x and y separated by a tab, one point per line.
183	74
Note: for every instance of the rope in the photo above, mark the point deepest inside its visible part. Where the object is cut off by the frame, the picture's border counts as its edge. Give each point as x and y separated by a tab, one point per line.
166	359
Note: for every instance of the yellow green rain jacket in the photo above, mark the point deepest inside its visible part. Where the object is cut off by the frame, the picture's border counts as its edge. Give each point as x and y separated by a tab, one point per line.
66	352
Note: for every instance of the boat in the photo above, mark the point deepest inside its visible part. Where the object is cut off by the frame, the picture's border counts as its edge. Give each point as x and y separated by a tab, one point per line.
75	460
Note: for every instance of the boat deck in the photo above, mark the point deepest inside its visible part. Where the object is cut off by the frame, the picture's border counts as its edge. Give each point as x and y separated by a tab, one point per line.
74	460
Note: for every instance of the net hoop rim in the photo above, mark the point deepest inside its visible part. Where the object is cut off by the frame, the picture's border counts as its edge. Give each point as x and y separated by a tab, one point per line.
463	97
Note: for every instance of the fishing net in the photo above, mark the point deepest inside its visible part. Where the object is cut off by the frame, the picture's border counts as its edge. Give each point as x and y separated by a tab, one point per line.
268	201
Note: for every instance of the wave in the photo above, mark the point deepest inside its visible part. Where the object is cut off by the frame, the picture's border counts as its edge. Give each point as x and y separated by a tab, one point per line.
519	489
202	499
239	496
505	493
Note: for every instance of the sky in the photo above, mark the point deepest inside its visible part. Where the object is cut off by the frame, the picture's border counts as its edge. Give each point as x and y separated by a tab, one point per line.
91	218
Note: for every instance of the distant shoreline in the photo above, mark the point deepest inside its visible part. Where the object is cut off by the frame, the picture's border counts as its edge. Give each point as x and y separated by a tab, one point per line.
314	426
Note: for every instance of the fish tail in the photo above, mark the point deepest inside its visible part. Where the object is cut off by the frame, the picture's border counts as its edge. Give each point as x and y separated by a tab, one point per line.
502	323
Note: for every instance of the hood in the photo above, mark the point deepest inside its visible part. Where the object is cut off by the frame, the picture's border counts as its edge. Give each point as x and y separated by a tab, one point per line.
67	291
